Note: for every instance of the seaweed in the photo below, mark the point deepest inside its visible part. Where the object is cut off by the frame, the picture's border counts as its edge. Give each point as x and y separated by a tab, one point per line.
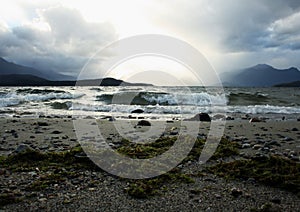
272	171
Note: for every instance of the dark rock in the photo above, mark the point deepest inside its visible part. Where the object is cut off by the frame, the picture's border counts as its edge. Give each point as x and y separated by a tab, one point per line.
287	139
257	146
111	119
143	123
56	132
295	129
245	117
219	116
137	111
22	148
236	192
200	117
252	120
44	147
273	143
175	132
42	124
80	155
276	200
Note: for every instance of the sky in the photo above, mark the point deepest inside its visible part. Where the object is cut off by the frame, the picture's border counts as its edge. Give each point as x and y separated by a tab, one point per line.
63	35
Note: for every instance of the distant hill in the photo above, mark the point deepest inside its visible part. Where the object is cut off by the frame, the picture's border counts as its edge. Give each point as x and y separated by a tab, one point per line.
261	75
290	84
30	80
12	74
12	68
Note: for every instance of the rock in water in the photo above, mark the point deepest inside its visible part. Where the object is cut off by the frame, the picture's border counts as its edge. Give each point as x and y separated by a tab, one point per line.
200	117
137	111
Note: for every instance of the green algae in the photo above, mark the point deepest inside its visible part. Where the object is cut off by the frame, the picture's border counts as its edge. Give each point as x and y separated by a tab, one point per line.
273	171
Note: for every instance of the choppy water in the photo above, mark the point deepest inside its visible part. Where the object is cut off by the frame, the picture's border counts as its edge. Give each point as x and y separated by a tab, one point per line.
155	101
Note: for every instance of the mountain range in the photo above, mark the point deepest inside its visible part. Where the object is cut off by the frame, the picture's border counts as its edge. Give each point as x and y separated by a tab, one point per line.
12	74
261	75
8	68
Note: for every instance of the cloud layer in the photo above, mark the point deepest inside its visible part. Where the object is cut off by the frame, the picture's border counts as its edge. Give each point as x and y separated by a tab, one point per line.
232	34
60	40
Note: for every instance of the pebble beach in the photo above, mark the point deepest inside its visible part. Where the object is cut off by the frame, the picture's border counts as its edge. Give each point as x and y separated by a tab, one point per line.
93	189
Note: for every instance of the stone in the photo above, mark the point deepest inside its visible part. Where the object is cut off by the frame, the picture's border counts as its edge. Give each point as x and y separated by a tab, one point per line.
236	192
174	132
244	146
295	129
43	199
273	143
143	123
245	117
295	158
287	139
200	117
111	119
42	124
22	148
219	116
276	200
255	119
56	132
257	146
137	111
218	196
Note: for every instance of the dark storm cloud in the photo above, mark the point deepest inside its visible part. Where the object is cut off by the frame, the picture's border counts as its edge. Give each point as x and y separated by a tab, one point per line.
234	25
64	47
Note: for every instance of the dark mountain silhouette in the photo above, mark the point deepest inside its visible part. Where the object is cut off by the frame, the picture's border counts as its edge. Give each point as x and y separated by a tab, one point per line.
261	75
12	74
30	80
12	68
290	84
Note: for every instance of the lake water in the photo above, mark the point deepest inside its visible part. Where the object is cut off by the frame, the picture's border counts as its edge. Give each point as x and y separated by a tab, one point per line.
157	102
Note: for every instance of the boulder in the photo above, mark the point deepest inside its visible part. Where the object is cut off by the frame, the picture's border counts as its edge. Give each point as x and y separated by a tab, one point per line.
143	123
23	148
252	120
137	111
200	117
